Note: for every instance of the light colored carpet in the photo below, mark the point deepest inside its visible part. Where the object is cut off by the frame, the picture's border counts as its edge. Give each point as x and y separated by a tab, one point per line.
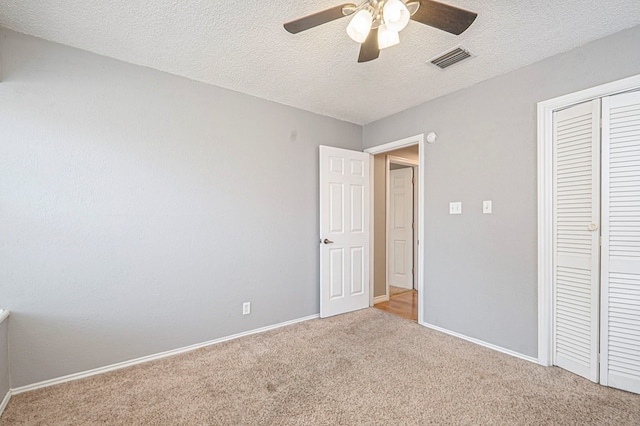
394	291
367	367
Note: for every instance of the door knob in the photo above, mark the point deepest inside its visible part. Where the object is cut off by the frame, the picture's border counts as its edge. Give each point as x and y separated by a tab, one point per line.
592	227
326	241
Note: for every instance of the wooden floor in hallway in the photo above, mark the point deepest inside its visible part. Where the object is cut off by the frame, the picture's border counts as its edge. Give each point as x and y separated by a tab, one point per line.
404	305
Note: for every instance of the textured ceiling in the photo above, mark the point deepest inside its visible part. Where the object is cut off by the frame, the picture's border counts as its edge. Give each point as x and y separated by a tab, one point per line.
241	45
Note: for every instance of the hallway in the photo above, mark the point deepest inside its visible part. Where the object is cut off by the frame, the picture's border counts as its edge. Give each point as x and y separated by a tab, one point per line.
404	305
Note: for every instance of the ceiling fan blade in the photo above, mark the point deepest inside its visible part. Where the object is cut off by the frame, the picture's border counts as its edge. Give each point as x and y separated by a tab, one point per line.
319	18
369	49
444	17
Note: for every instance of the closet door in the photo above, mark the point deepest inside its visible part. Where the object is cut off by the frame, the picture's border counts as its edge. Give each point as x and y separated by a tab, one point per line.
620	340
576	238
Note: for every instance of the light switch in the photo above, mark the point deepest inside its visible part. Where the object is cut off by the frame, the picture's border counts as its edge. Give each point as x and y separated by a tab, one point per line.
455	208
486	207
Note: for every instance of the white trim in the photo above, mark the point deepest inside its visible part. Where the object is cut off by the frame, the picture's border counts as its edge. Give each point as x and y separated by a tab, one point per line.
4	314
380	299
402	161
545	199
372	233
481	343
416	231
124	364
402	143
411	140
5	401
422	233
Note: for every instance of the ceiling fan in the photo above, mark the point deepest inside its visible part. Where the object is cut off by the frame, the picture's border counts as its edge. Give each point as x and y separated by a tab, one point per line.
376	23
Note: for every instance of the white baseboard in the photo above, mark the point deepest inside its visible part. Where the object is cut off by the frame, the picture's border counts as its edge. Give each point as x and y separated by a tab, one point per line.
480	342
4	314
124	364
379	299
4	402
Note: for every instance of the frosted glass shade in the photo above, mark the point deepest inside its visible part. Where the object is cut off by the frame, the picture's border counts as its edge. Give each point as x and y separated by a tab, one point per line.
360	25
396	15
387	38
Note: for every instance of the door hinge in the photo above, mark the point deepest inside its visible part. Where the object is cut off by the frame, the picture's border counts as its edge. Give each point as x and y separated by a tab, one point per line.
413	225
600	239
413	180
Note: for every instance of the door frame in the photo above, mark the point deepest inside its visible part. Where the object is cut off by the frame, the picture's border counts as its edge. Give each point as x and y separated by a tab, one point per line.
545	201
392	159
380	149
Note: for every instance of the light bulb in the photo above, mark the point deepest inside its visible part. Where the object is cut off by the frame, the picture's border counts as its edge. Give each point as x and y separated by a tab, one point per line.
386	37
396	15
360	25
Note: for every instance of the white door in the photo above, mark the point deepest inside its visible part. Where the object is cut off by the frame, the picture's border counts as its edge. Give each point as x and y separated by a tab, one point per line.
344	231
576	239
400	240
620	341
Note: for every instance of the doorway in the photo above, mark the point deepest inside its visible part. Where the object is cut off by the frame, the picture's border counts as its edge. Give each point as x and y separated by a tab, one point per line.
400	220
347	237
395	218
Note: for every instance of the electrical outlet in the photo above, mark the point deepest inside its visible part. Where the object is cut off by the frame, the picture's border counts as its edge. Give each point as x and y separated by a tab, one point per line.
246	308
487	207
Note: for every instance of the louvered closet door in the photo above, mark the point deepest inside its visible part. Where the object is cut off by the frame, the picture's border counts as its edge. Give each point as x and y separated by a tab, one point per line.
620	341
576	238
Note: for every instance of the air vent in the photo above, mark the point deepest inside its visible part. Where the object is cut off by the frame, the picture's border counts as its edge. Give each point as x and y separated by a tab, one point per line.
451	57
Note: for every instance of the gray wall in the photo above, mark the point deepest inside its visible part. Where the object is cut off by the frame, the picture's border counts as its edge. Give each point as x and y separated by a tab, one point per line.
4	358
480	270
140	209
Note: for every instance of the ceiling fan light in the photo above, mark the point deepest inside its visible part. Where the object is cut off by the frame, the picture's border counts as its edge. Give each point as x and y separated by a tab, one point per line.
396	15
360	25
387	37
